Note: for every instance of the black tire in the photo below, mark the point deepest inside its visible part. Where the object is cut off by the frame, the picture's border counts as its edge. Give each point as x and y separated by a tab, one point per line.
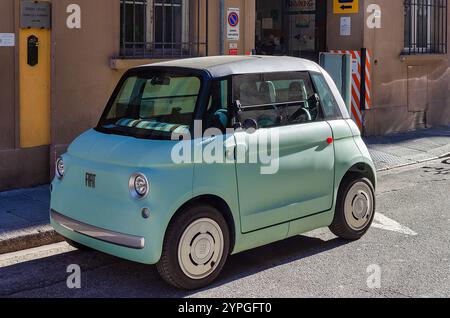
340	226
169	266
78	246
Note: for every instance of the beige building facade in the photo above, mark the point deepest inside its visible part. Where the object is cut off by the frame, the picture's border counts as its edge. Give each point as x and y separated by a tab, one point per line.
60	61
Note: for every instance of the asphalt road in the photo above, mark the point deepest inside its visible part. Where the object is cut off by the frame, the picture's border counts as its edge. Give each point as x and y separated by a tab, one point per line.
409	247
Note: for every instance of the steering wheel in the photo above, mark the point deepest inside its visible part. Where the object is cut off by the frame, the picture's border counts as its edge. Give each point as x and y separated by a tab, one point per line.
301	112
265	122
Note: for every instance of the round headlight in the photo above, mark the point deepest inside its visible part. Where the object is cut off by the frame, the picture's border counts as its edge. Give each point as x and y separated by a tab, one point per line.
60	168
139	186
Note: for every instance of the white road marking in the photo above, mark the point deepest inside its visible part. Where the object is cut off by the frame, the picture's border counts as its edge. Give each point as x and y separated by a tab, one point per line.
383	222
34	254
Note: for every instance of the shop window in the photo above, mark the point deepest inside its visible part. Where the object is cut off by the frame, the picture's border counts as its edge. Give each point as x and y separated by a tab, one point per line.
291	27
426	26
163	28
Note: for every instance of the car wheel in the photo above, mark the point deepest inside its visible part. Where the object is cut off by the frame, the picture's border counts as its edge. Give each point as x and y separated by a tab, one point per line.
355	208
195	249
78	246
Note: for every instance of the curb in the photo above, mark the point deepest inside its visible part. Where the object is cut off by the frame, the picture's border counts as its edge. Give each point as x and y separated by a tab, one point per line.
412	163
24	239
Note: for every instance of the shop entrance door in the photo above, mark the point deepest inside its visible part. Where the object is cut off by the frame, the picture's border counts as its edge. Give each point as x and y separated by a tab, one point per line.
291	27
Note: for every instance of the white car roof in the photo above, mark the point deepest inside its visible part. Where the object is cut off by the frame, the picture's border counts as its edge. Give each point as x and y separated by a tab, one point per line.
220	66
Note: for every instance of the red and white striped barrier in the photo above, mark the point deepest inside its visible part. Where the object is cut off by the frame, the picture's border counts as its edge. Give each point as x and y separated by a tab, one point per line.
360	87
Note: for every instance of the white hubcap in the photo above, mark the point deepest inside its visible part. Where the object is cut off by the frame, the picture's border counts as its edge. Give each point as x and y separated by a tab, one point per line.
358	206
200	248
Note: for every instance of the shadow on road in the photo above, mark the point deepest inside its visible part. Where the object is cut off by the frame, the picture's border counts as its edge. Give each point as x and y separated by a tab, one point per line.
107	276
398	138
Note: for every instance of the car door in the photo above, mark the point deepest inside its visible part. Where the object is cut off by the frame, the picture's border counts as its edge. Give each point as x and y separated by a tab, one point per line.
285	168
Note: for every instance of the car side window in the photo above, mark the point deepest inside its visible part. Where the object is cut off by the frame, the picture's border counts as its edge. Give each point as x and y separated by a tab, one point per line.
216	114
329	103
277	99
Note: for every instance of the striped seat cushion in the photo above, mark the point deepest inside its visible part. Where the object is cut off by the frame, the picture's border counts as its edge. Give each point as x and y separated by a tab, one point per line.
153	125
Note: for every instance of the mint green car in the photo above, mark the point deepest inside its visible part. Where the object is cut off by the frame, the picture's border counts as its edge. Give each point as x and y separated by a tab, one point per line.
198	159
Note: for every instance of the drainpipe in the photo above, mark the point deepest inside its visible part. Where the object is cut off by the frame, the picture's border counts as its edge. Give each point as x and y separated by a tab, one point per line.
222	27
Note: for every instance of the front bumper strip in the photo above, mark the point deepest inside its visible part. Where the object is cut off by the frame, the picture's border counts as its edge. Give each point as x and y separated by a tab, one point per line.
125	240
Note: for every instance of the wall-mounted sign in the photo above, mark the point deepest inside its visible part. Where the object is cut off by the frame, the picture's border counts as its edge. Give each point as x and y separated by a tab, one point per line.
345	6
355	66
233	24
233	48
301	5
7	39
346	26
35	14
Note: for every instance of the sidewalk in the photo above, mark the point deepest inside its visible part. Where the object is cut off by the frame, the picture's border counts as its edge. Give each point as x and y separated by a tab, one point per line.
24	216
403	149
24	219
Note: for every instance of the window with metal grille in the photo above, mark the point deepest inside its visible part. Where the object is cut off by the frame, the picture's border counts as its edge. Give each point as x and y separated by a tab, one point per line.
426	26
163	28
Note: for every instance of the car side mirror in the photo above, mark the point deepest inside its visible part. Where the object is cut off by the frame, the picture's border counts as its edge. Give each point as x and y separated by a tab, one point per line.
237	112
315	99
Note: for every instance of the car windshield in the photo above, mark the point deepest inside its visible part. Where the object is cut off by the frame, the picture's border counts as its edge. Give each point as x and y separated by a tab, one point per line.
153	104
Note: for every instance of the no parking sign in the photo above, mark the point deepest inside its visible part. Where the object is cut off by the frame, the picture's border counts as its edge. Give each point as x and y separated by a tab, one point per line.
233	21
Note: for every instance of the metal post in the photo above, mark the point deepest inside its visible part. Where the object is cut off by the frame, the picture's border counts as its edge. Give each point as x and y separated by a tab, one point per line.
222	27
363	79
207	27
